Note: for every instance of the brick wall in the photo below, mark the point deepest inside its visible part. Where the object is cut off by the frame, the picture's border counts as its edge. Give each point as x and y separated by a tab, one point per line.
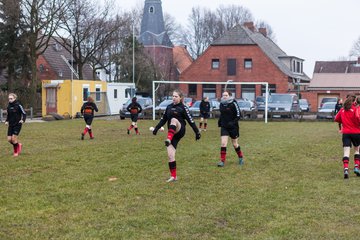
48	72
263	69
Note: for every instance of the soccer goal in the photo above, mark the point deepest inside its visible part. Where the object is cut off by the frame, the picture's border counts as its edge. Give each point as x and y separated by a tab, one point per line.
156	86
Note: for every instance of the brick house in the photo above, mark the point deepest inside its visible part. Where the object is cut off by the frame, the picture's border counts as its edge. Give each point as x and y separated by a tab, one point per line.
333	79
244	54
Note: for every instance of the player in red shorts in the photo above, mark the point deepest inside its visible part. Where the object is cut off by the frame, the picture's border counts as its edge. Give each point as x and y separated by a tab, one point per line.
134	108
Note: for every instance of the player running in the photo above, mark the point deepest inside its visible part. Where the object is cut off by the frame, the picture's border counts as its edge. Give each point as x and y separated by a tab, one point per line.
134	108
175	115
87	110
228	122
350	134
16	116
204	112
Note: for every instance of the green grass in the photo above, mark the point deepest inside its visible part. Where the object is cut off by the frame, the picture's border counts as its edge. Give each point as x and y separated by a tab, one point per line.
291	186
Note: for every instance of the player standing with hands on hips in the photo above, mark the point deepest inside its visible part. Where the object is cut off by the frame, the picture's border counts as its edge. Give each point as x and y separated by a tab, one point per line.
228	123
175	115
16	116
87	110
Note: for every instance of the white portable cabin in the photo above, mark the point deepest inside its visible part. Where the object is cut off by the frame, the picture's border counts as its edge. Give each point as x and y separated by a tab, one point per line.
118	94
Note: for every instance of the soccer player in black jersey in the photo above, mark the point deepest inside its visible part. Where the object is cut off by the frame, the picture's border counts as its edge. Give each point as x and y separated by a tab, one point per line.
228	122
16	116
87	110
175	116
204	112
134	108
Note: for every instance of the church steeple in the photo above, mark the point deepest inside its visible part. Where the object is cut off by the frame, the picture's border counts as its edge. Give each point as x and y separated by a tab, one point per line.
152	25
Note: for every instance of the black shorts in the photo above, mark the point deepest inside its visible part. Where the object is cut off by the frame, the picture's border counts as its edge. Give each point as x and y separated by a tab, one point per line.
177	137
88	119
232	132
205	115
349	139
14	130
134	117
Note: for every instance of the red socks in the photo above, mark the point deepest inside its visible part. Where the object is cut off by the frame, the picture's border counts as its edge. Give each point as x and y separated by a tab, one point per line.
85	130
205	125
223	154
172	167
239	152
346	162
357	160
171	132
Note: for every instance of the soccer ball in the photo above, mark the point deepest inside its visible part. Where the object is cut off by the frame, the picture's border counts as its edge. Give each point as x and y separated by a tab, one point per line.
162	129
151	128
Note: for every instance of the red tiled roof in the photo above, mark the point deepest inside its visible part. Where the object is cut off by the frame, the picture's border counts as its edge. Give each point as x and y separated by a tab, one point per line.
182	58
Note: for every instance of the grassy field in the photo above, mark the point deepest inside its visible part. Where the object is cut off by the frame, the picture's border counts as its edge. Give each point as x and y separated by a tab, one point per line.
291	186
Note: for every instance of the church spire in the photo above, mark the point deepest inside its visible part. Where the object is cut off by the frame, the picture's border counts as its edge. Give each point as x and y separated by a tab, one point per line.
152	25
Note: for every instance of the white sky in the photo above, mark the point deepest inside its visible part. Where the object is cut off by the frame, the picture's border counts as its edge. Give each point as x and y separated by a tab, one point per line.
314	30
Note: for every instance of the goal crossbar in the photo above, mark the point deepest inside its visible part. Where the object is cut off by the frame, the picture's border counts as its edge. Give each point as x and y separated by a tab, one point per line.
213	83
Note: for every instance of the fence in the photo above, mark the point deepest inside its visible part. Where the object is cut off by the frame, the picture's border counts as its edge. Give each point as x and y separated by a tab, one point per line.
30	112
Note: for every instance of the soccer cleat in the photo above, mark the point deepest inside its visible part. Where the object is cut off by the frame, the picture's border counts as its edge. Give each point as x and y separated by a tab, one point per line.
172	179
82	136
346	173
357	171
91	137
19	148
167	142
220	164
241	161
204	130
16	154
128	131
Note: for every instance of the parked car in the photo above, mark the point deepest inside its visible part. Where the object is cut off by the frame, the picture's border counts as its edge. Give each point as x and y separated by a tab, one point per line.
260	103
326	111
145	103
195	108
328	99
304	105
247	107
188	101
284	103
160	109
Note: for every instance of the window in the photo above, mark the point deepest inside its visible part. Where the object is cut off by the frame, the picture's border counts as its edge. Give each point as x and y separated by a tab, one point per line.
41	68
85	93
215	63
248	91
129	92
272	89
115	94
192	89
151	10
231	67
209	90
98	94
248	63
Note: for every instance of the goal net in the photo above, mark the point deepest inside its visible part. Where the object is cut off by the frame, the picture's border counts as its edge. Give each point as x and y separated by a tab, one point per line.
163	89
102	102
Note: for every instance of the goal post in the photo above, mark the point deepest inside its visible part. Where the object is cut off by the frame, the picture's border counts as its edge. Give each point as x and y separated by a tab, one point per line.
155	85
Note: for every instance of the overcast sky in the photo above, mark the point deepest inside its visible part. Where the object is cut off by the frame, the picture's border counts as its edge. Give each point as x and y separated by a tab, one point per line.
314	30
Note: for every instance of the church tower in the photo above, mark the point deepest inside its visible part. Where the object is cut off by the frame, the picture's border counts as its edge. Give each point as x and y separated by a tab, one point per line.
155	39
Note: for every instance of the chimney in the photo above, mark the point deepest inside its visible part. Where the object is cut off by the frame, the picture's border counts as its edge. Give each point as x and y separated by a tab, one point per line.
250	26
263	31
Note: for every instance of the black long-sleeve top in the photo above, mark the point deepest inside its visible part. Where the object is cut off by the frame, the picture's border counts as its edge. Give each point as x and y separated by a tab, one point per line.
181	113
15	113
88	109
134	108
229	114
204	107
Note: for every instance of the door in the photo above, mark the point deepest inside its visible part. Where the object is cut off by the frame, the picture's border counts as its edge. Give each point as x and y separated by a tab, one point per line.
51	100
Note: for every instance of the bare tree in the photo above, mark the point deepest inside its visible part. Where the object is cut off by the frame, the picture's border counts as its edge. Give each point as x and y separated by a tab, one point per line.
355	50
269	31
232	15
90	29
40	20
